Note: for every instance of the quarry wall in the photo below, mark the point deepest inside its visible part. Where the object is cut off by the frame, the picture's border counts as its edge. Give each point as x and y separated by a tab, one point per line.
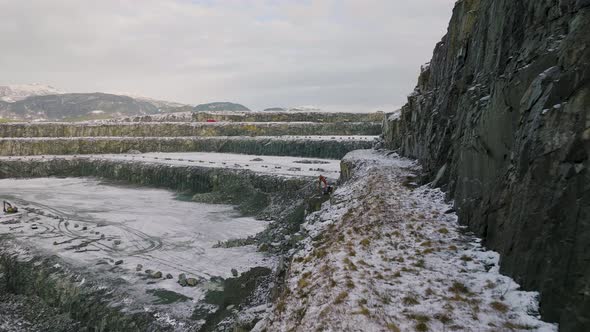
327	147
176	129
288	116
500	119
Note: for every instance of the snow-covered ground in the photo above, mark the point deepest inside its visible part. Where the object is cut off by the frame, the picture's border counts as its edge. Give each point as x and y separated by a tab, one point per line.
94	225
385	255
282	166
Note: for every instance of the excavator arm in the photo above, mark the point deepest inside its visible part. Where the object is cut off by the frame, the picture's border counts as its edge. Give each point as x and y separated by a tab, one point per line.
8	208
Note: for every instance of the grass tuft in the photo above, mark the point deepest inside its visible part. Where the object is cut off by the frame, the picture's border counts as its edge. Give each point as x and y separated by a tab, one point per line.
466	258
459	288
365	242
350	284
410	300
341	297
393	328
499	306
422	327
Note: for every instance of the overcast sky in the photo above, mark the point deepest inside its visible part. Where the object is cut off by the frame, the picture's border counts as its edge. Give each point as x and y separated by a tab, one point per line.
349	54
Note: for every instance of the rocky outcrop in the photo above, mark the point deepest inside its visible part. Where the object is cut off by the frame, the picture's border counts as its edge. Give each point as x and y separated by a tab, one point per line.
69	292
299	146
176	129
500	118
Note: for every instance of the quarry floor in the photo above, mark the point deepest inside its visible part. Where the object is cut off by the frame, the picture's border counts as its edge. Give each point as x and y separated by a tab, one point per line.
386	255
119	232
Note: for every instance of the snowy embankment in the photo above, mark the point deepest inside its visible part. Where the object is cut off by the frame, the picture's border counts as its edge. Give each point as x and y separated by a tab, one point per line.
385	255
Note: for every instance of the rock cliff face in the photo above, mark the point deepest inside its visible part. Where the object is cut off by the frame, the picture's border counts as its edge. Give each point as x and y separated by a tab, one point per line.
500	119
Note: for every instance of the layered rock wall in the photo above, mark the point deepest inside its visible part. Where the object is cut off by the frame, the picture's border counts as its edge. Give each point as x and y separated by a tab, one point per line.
176	129
325	117
193	179
322	117
500	118
276	146
85	300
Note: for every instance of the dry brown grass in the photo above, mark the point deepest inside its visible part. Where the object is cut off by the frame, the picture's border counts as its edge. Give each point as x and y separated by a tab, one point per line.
393	328
410	300
459	288
466	258
341	297
350	284
499	306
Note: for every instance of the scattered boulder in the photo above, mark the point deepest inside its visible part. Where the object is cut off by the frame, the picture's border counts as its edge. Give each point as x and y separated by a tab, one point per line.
117	242
119	262
263	247
234	272
192	282
155	275
139	267
169	276
182	279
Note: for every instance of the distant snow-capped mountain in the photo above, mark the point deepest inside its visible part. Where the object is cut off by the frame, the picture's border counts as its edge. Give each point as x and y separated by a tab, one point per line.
15	92
37	102
158	102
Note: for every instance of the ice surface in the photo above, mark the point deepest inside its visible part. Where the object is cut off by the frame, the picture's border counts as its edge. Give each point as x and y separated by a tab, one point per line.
282	166
82	221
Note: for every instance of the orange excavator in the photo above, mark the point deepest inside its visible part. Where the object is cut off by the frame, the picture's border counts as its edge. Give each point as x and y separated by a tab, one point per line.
9	208
324	186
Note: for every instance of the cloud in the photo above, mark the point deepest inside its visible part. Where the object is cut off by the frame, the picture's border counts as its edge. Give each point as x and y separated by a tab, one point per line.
359	54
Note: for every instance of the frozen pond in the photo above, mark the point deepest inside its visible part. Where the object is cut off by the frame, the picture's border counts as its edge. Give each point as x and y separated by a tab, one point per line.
94	225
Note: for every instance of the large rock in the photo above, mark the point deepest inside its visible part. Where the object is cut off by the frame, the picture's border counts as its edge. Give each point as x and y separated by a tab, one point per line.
501	119
182	280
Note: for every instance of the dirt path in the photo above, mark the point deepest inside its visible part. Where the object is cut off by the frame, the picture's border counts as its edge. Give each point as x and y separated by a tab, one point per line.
385	255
